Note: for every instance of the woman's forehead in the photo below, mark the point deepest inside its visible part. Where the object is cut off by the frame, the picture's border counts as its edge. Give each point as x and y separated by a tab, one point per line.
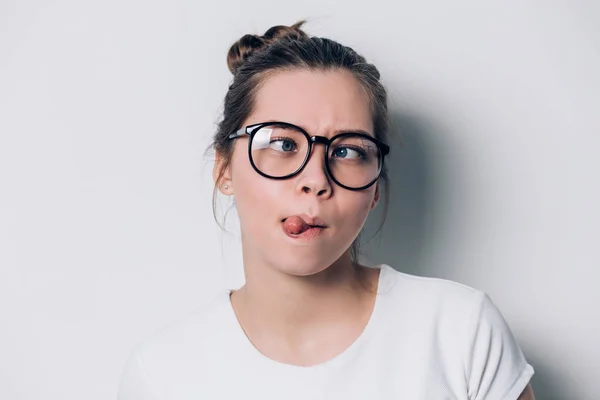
322	100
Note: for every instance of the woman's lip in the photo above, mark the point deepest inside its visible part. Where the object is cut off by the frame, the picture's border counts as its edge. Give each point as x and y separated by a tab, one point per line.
312	221
309	233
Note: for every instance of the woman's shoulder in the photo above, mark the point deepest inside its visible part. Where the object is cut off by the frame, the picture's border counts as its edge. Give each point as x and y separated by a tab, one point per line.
426	290
442	311
458	327
190	345
432	304
194	332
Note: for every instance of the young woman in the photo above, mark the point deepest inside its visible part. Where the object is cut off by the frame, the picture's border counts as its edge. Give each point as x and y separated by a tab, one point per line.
302	148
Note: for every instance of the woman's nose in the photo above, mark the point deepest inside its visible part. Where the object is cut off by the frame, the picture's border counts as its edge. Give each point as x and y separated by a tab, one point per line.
314	179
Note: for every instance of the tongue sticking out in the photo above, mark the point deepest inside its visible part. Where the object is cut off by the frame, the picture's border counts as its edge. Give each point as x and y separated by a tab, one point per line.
295	225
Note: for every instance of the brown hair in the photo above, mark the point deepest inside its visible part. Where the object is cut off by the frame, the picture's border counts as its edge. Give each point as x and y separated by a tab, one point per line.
253	58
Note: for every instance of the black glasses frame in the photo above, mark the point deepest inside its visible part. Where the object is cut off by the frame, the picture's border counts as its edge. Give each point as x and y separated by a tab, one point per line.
251	130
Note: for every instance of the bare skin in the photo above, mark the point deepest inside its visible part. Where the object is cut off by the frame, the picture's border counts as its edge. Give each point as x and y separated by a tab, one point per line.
527	394
305	332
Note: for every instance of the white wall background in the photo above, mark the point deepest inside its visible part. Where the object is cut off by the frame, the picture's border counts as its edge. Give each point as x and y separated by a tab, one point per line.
106	228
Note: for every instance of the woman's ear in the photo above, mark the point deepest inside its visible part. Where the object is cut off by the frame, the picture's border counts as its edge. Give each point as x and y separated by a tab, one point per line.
376	196
222	175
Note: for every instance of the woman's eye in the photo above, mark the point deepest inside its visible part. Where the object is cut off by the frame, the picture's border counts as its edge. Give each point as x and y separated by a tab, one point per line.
285	145
347	152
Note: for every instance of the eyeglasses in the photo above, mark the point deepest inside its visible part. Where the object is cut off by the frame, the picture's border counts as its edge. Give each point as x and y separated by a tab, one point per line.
279	150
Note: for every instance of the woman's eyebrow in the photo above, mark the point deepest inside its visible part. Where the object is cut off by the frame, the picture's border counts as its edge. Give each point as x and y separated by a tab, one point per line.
340	131
335	132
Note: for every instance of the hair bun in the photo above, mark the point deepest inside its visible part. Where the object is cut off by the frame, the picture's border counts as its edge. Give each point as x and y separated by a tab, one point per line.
248	44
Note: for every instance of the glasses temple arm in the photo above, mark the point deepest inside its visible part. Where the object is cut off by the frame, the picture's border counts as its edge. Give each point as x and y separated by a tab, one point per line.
238	133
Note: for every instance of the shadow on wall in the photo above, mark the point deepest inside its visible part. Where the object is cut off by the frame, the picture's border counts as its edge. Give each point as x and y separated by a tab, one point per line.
548	383
404	237
412	221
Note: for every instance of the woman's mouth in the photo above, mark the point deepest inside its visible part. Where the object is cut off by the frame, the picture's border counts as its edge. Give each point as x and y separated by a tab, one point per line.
299	227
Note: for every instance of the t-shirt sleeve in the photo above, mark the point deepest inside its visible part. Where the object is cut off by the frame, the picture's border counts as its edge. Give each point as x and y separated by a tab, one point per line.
496	368
135	383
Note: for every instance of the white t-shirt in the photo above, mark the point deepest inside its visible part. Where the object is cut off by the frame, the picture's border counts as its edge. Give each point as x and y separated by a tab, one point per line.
427	339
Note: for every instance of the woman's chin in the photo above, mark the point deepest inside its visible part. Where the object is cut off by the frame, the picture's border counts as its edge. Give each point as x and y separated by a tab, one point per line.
302	269
304	266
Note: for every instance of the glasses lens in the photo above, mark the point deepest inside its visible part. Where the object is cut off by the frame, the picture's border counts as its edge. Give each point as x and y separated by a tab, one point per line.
278	150
354	161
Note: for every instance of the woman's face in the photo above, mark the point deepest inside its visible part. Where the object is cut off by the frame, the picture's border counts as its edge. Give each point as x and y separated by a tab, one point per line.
275	215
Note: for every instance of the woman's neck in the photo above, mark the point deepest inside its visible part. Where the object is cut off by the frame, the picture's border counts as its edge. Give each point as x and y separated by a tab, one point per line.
276	307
